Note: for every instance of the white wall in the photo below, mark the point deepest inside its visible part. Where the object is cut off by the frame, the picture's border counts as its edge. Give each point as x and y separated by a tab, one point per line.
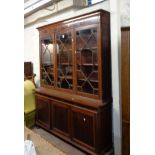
125	12
115	48
119	17
31	48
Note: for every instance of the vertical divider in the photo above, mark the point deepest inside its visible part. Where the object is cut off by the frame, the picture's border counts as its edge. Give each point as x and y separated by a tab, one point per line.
55	60
99	55
40	61
74	62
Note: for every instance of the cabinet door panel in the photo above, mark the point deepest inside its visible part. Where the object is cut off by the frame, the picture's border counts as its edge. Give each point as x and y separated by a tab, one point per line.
61	118
83	127
64	59
47	60
43	112
87	60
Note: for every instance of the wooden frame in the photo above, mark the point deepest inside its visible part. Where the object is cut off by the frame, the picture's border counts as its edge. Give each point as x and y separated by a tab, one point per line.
125	89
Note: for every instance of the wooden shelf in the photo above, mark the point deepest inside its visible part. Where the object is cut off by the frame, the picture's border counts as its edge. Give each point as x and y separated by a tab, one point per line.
83	49
60	83
95	89
49	73
47	65
64	51
65	63
94	81
87	64
89	80
65	77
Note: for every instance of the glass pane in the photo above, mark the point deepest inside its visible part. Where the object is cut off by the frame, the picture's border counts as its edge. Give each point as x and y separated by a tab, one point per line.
47	77
86	59
64	60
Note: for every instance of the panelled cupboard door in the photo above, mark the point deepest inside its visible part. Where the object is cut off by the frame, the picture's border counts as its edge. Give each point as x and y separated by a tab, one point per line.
64	59
47	60
43	112
83	127
61	113
86	47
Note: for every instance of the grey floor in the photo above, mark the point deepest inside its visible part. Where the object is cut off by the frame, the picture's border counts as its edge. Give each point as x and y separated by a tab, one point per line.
60	144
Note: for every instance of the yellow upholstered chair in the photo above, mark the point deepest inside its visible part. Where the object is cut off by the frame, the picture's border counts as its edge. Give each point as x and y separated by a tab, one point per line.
29	103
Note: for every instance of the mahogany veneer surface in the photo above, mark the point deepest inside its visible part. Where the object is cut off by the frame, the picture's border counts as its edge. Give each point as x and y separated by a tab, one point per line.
74	99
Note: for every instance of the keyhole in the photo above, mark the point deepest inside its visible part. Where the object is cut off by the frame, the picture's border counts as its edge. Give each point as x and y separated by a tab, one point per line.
84	119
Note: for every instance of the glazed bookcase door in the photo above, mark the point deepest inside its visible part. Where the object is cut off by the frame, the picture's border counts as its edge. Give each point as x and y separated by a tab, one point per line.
47	61
86	60
64	59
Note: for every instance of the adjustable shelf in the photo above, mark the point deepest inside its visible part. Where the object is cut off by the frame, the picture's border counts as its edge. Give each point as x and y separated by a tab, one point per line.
47	65
86	49
65	77
87	64
65	63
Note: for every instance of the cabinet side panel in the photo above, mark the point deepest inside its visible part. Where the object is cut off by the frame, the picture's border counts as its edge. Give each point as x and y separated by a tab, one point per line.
125	138
104	129
106	59
125	89
125	74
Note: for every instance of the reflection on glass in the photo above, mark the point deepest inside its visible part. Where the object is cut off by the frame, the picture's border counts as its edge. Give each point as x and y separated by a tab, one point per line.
48	53
86	59
47	62
64	60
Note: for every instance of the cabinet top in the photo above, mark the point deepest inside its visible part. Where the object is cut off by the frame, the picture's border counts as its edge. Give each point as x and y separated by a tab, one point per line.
85	101
72	19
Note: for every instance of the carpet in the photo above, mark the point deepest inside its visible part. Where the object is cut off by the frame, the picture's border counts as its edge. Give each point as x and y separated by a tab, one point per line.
42	147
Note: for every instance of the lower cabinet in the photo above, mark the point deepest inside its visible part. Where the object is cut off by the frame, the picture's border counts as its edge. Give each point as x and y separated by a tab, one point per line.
87	129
